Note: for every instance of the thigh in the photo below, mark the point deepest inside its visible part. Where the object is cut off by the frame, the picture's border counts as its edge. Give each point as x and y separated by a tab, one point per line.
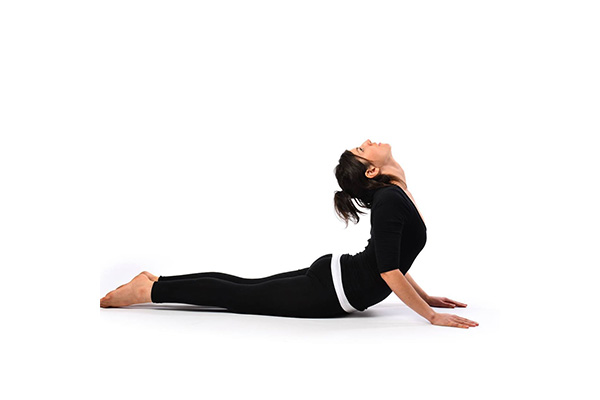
294	296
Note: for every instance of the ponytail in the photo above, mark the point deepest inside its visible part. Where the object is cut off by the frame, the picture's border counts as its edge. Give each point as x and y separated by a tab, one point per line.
345	208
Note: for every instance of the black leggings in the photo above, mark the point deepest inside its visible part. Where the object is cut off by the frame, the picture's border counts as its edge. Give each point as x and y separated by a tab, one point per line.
304	293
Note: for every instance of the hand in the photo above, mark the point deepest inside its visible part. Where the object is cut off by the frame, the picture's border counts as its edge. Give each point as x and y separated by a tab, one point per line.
452	320
443	302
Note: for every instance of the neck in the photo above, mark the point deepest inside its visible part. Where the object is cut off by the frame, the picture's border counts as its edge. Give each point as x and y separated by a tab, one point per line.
395	169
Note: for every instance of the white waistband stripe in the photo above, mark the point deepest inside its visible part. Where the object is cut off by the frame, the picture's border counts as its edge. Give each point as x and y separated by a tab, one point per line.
336	274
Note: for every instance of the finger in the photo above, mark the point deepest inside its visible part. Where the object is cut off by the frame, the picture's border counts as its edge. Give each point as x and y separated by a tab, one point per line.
448	305
465	321
458	317
458	303
468	321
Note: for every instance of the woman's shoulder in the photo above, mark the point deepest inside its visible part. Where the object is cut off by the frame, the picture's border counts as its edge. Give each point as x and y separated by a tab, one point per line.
387	193
389	199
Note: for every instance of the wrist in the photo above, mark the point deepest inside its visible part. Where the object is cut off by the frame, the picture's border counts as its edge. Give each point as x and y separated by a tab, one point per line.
432	316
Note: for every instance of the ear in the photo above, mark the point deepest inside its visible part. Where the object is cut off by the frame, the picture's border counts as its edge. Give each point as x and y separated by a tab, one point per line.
372	172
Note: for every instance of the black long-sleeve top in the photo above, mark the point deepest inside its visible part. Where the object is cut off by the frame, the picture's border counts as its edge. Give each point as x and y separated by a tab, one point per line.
398	234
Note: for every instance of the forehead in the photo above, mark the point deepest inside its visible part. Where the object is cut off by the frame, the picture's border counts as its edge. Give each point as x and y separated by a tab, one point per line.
353	151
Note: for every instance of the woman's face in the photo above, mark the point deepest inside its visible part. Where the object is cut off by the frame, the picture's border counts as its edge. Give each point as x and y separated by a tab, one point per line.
376	153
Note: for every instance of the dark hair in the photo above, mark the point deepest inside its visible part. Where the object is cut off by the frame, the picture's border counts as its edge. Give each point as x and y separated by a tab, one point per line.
350	174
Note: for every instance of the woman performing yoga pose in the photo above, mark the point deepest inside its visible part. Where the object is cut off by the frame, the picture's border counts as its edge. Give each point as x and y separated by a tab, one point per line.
334	284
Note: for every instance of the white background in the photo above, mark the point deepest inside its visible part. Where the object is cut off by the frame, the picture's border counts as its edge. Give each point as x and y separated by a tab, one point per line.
187	136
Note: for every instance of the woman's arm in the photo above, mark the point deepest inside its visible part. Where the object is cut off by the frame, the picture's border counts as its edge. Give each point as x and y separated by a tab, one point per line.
420	291
407	293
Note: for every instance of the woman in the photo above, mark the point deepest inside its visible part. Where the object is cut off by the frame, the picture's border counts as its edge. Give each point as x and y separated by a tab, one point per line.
334	285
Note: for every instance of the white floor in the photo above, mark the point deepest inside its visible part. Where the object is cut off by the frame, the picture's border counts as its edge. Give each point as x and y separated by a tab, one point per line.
387	350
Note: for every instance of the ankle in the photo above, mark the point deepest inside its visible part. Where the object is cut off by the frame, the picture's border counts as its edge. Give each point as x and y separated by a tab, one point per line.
144	291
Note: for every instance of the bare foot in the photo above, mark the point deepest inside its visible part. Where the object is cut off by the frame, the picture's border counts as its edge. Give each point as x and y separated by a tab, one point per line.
135	292
153	278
